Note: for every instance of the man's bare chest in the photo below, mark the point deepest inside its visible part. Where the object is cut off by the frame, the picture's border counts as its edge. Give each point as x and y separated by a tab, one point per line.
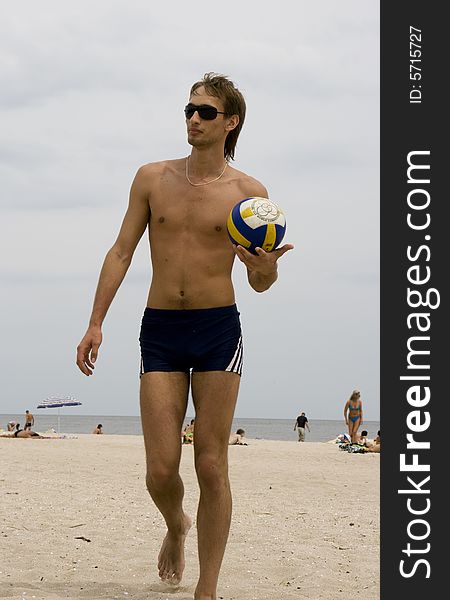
192	209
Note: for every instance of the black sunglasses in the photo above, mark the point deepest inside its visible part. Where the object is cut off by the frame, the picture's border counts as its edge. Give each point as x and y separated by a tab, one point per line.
205	111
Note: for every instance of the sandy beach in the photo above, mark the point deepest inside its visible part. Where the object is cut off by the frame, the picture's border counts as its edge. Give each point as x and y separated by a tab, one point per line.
77	522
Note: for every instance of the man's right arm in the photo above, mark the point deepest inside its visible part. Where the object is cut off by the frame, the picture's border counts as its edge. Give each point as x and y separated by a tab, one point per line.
114	268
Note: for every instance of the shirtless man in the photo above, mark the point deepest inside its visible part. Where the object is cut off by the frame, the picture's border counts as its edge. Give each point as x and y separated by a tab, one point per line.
29	420
191	320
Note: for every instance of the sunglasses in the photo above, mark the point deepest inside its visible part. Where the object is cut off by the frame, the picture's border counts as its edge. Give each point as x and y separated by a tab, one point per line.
205	112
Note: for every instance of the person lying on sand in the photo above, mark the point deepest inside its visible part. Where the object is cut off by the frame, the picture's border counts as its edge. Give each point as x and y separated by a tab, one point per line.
237	439
375	446
22	433
361	438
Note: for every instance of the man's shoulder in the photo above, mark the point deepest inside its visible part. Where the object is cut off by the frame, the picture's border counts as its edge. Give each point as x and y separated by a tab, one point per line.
248	185
161	167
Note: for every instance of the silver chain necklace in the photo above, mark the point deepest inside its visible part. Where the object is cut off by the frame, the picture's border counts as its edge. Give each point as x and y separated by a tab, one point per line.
206	182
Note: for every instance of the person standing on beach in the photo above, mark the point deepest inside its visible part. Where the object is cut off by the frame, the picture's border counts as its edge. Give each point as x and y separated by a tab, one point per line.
300	424
190	331
188	433
29	420
353	415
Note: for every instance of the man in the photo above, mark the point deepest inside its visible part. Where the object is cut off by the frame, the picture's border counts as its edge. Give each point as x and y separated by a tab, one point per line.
300	424
191	320
29	420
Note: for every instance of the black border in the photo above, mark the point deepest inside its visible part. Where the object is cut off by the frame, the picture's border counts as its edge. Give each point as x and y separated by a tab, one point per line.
407	127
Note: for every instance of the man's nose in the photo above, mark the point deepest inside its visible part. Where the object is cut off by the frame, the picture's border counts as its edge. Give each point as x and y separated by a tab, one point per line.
195	117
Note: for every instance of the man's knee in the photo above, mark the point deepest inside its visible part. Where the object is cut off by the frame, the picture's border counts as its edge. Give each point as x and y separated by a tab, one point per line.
160	477
212	471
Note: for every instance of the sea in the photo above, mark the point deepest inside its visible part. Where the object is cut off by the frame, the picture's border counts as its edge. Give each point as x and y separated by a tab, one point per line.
265	429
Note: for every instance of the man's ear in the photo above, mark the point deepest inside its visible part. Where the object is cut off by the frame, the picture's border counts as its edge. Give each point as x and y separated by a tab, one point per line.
233	122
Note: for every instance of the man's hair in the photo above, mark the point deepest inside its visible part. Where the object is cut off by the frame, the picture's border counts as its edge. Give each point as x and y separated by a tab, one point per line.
233	101
240	431
364	432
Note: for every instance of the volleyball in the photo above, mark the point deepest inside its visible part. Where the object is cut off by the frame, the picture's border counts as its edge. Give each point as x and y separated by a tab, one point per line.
256	222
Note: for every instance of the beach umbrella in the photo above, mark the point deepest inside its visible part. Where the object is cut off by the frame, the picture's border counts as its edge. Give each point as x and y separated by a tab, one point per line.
58	402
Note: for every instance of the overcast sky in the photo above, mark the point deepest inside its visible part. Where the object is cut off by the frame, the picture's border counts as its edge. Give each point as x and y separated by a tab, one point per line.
91	90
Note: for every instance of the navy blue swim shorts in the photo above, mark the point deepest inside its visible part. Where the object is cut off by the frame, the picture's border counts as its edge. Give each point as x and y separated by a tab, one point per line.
203	339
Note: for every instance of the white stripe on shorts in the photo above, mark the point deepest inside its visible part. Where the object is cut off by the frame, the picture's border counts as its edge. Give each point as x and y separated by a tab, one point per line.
235	365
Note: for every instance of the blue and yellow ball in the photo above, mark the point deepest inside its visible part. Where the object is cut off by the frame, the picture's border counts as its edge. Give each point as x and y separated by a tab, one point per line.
256	222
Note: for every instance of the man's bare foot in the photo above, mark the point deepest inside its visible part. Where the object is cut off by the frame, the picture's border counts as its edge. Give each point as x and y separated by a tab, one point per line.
171	556
201	596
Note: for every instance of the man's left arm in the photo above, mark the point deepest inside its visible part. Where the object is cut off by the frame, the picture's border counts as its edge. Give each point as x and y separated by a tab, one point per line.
262	268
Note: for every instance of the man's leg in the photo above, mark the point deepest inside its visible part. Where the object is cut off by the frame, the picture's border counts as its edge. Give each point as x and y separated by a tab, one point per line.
214	394
163	406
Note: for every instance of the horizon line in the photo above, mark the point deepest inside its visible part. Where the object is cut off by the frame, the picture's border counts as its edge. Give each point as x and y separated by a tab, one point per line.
186	416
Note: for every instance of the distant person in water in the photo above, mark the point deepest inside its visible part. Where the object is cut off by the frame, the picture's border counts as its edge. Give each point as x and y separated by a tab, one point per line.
98	430
353	415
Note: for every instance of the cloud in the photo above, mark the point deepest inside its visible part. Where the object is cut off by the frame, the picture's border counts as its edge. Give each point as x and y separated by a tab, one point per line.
90	91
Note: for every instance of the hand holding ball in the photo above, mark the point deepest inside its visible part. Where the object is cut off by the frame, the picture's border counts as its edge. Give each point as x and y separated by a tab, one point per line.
256	223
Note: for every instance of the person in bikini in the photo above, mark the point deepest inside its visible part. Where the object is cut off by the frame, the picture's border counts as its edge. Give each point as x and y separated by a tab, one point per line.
353	415
25	433
190	332
188	433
